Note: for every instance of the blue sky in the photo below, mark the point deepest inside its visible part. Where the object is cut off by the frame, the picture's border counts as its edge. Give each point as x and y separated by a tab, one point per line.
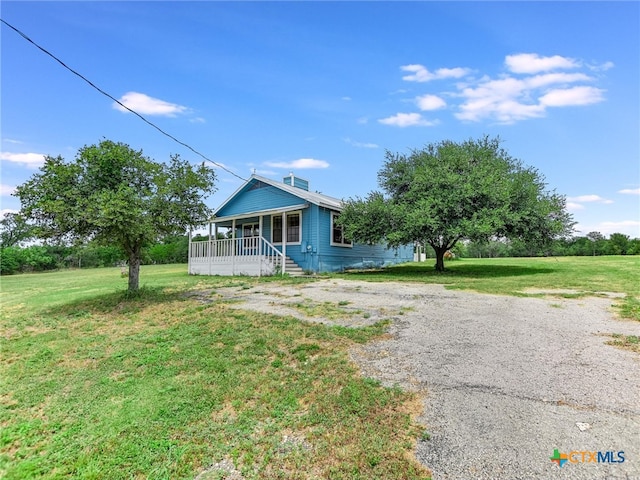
324	88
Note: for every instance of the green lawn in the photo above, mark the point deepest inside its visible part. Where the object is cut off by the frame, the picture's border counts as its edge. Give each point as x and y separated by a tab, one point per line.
514	276
96	386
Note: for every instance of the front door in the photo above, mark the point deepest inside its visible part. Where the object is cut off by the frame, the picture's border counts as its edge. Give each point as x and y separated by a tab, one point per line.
250	238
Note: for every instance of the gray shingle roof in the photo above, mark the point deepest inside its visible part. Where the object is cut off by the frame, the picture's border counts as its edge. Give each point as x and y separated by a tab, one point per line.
319	199
316	198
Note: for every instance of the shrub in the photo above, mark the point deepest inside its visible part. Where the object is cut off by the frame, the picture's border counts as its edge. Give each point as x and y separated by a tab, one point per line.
11	259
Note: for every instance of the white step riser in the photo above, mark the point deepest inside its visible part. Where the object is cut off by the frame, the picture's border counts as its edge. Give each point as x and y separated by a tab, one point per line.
292	268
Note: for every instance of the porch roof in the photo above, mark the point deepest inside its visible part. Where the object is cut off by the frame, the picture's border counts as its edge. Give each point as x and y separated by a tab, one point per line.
258	213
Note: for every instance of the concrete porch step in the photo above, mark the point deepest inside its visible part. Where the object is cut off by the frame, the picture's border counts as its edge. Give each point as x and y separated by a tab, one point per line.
292	268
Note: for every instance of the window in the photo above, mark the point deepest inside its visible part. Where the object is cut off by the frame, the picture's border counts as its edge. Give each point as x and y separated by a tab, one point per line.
251	230
293	230
276	230
337	233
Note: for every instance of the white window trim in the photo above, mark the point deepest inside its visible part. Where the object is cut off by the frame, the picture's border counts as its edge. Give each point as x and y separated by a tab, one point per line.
331	242
284	228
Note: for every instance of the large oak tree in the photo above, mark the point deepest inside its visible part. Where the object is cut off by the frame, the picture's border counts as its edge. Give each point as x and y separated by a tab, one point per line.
115	195
450	191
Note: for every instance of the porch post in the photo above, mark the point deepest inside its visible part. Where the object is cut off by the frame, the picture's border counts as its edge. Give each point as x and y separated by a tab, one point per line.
210	249
284	242
215	230
260	245
233	250
189	267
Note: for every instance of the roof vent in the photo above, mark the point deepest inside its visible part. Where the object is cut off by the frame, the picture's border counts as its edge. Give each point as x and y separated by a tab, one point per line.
297	182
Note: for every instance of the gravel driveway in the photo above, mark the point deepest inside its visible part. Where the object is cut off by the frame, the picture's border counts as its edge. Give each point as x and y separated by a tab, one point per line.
506	380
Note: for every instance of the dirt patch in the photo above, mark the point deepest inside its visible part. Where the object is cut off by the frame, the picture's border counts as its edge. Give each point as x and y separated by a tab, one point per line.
337	302
224	469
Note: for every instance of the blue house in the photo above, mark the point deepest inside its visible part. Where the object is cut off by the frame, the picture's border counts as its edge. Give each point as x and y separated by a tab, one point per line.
282	227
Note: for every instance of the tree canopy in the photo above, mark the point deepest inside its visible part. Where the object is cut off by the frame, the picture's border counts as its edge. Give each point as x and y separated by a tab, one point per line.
14	230
450	191
115	195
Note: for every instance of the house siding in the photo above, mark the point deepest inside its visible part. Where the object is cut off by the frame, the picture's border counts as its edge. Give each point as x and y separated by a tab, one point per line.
334	258
314	253
300	253
252	200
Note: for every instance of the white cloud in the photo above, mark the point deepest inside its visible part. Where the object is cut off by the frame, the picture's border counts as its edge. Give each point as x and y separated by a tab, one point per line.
31	160
406	120
538	81
627	227
360	144
430	102
419	73
197	120
510	99
589	198
146	105
572	206
572	96
534	63
575	203
630	191
527	88
4	211
602	67
503	100
346	99
363	120
9	140
6	190
301	163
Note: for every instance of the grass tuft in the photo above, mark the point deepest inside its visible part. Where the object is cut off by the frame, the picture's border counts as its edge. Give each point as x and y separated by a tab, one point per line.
328	310
627	342
629	308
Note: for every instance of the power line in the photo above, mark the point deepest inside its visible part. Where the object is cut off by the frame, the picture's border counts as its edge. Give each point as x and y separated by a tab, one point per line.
44	50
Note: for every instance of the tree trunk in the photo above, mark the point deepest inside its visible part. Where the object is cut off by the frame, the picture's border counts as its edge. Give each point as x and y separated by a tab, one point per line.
440	251
134	270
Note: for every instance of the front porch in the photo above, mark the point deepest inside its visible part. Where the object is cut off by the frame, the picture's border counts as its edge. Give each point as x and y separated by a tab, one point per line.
249	250
252	256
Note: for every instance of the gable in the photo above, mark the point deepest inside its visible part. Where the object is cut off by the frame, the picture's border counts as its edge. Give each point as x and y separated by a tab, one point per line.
256	196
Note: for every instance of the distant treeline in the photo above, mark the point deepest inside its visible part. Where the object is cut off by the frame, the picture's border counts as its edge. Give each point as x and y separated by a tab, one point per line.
591	245
37	258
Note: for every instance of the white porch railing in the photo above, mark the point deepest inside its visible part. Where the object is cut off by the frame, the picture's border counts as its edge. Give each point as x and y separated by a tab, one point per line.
253	256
